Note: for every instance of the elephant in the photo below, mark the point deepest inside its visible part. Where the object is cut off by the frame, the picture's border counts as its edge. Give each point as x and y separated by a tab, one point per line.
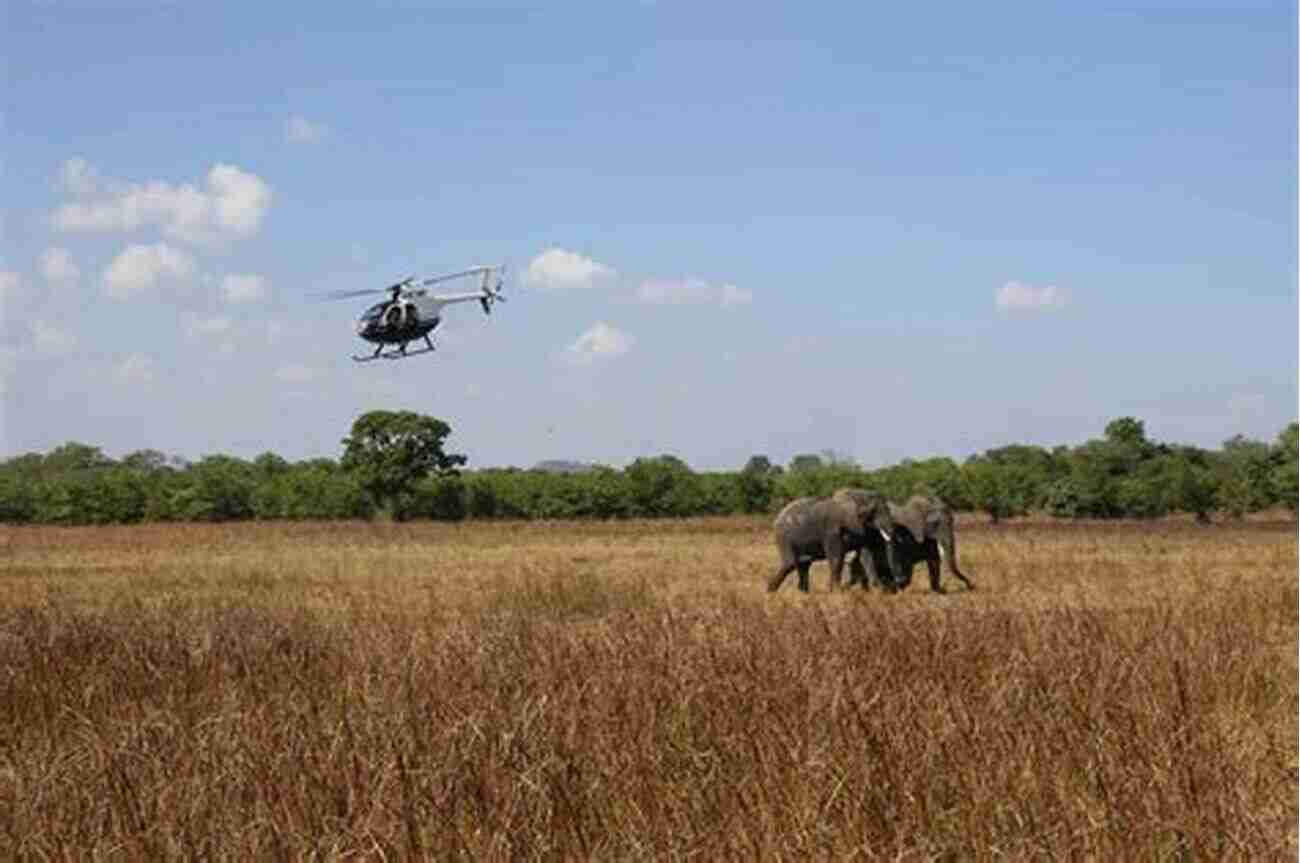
923	531
828	528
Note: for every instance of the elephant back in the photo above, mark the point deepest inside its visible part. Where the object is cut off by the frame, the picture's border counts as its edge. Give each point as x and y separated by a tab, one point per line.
862	497
793	511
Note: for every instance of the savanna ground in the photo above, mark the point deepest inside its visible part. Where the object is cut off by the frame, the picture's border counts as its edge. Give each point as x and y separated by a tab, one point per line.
629	691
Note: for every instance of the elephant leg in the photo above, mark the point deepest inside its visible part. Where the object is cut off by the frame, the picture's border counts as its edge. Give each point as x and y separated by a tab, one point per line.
905	561
881	571
787	566
888	580
835	557
858	572
804	566
837	570
932	563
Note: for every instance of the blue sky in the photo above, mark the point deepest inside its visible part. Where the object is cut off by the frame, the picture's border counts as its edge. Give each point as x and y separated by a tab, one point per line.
733	229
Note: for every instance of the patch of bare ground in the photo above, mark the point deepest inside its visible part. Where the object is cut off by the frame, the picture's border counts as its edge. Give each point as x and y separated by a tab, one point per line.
629	691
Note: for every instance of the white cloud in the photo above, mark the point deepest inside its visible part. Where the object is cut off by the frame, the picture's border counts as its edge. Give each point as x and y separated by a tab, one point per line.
197	328
232	205
138	268
49	339
58	267
299	130
135	370
243	288
295	373
240	199
1019	296
691	291
559	269
600	341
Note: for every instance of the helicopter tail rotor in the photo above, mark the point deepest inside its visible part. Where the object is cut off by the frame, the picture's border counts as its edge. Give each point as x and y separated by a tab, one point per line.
493	280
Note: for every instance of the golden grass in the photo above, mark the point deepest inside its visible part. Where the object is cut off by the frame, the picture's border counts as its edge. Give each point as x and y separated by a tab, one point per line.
629	691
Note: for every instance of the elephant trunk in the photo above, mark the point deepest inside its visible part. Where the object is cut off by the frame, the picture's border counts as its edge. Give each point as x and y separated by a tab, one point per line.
948	549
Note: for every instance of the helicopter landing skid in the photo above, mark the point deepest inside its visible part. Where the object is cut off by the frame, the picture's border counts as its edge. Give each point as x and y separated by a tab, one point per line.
392	355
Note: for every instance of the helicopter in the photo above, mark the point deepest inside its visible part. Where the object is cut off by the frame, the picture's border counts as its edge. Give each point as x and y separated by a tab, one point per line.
412	313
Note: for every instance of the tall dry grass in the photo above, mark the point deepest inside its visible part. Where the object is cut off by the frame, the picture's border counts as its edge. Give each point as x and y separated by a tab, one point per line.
616	691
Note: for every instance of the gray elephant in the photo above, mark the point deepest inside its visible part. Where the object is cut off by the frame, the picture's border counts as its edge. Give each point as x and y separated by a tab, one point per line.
828	528
923	531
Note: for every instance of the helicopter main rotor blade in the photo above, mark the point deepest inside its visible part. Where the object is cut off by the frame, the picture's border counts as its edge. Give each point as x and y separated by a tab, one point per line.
393	289
447	277
347	295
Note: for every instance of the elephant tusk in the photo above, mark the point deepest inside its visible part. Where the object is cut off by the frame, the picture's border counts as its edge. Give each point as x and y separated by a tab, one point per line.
885	534
941	554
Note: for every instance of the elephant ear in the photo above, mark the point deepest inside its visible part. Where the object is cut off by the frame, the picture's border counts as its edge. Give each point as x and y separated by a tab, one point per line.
855	506
912	519
934	520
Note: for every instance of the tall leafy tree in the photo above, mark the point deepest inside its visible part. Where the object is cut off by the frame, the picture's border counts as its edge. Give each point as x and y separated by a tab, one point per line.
990	487
755	484
390	451
1127	431
663	486
1245	482
1285	474
805	462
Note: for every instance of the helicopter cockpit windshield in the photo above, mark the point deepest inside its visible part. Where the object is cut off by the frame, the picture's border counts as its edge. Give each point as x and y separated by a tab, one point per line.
373	313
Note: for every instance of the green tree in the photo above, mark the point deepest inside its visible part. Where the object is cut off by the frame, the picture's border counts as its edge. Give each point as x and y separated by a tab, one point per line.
755	484
17	498
1064	499
269	465
1127	431
73	456
1285	474
1031	471
1188	482
390	451
663	486
938	477
991	488
806	462
441	498
221	489
1245	475
146	461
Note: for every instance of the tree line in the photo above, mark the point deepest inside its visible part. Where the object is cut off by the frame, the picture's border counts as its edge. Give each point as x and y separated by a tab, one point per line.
394	464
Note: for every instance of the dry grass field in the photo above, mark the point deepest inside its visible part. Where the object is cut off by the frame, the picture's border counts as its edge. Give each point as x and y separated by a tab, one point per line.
621	691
